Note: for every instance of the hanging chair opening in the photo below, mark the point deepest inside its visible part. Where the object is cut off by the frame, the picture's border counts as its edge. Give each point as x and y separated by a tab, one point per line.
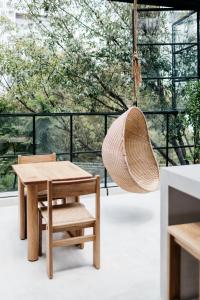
139	154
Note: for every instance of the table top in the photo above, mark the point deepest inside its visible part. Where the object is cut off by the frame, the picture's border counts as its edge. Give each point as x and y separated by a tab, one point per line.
190	172
182	178
42	172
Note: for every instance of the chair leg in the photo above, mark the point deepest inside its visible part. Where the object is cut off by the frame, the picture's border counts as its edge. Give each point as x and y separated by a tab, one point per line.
174	269
40	234
79	232
199	280
49	254
82	233
96	247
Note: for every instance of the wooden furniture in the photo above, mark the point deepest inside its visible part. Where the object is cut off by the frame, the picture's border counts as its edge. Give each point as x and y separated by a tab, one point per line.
180	204
187	237
43	225
32	175
42	193
73	216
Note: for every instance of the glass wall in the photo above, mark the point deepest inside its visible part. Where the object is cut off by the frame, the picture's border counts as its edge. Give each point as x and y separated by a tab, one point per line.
168	46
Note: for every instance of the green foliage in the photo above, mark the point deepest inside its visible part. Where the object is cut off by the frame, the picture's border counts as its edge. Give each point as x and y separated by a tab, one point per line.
6	174
77	57
193	114
15	138
30	77
193	105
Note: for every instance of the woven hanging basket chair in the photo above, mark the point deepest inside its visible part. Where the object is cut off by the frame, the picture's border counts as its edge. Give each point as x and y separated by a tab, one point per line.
128	155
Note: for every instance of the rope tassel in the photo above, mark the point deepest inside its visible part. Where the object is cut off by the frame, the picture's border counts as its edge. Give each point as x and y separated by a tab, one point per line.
137	70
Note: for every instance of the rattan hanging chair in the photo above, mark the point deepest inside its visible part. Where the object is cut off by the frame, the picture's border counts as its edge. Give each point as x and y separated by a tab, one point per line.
127	152
128	155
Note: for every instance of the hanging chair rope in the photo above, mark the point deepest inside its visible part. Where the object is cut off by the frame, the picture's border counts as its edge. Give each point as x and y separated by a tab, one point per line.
137	77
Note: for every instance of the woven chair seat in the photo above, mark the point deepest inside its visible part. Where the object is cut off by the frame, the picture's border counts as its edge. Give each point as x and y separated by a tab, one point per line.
128	154
69	215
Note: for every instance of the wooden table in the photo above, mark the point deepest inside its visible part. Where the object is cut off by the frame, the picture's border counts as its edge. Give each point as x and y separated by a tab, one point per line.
32	175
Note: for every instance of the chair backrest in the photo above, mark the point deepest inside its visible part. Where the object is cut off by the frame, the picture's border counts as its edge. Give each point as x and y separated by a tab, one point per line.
63	189
28	159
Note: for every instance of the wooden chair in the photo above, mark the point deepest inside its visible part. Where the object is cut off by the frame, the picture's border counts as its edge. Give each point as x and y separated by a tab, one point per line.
42	189
187	237
71	216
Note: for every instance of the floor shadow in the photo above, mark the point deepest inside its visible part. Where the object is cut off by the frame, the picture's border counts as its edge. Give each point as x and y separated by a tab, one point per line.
124	215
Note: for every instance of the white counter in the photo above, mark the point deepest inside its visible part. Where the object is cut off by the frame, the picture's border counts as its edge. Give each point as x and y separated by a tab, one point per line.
180	195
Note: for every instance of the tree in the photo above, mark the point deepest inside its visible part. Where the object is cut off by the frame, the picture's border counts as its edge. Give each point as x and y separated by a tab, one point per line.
77	57
95	40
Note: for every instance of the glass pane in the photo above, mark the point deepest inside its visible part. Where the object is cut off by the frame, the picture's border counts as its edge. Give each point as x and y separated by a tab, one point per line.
179	132
161	157
88	133
15	135
156	61
156	26
157	129
155	94
185	27
52	134
181	93
185	61
8	180
180	135
181	156
197	153
90	162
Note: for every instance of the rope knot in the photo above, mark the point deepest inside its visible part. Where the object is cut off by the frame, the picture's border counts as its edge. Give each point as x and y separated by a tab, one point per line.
135	57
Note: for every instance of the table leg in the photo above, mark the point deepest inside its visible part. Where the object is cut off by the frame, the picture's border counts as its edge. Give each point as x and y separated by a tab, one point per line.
174	269
32	222
22	211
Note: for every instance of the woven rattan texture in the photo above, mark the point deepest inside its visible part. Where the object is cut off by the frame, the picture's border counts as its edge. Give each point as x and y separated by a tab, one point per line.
72	213
128	155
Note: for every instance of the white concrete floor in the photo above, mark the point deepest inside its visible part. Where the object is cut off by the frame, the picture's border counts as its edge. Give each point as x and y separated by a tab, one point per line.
129	256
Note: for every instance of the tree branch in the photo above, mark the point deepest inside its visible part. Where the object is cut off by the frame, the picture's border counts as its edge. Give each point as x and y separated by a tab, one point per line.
163	153
110	92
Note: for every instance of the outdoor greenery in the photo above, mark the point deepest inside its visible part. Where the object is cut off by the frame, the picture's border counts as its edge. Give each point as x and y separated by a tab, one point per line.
75	56
193	116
